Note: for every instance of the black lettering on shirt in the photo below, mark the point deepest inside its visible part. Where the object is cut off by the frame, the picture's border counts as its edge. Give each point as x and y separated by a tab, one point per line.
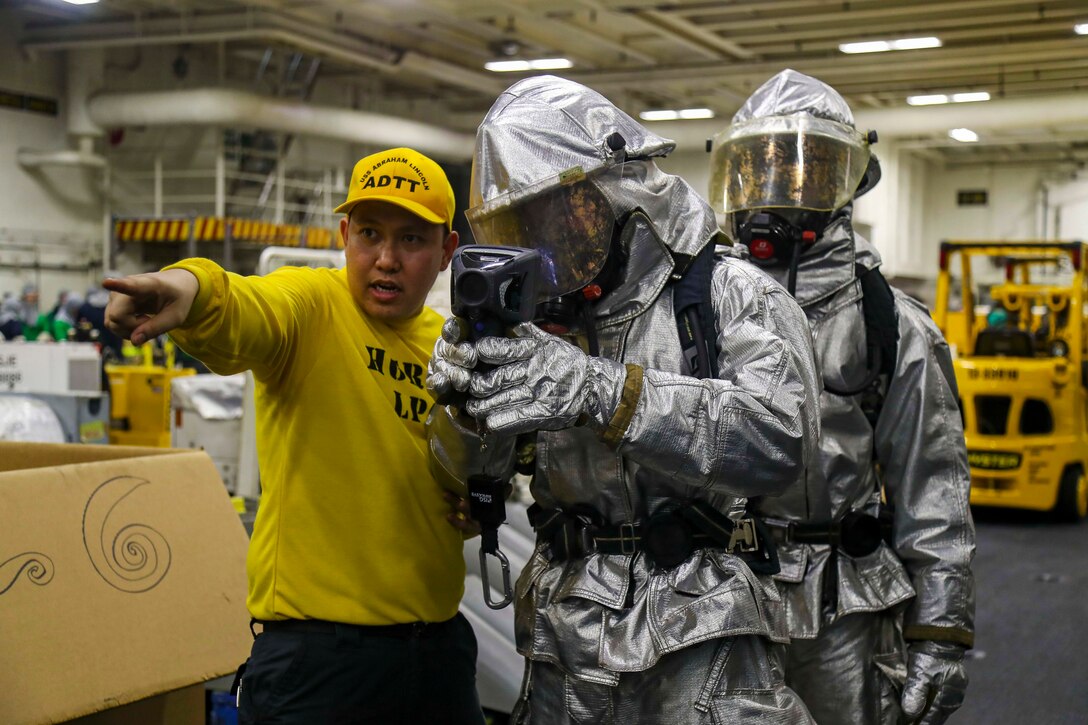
414	407
411	372
377	359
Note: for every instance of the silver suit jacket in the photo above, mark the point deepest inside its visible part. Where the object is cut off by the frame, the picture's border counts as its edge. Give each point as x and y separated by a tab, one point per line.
916	453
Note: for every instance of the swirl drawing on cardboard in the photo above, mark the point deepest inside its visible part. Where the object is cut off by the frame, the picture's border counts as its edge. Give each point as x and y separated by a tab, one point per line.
130	556
32	566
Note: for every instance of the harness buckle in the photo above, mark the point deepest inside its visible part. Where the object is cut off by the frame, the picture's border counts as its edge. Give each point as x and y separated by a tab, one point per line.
628	539
744	538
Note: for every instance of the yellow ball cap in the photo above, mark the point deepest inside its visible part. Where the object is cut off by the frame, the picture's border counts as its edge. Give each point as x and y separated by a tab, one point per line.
406	178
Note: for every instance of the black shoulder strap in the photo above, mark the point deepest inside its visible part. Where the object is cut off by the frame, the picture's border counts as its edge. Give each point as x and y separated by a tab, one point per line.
881	340
881	319
881	335
695	319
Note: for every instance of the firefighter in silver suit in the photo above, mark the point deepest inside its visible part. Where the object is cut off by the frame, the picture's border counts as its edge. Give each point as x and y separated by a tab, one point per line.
875	548
641	603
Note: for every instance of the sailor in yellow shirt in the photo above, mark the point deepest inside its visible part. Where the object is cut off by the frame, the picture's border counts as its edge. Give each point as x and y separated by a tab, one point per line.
354	568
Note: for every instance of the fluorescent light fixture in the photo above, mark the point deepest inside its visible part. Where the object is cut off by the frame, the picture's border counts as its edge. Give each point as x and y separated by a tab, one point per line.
672	115
972	97
1081	29
550	64
508	66
930	100
872	46
690	113
881	46
81	2
936	98
916	43
964	135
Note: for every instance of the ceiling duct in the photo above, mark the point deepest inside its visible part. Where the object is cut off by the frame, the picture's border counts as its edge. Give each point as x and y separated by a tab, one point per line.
85	69
220	107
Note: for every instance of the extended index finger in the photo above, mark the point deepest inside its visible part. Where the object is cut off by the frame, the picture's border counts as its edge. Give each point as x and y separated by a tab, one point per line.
131	285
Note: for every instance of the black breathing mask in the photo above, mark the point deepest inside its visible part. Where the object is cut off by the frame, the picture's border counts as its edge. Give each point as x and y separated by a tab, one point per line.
777	239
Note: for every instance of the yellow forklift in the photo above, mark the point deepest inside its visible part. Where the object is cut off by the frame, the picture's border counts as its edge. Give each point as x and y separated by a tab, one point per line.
1020	363
140	394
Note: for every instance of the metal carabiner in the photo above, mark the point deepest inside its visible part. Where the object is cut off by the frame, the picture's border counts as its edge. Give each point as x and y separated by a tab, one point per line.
508	592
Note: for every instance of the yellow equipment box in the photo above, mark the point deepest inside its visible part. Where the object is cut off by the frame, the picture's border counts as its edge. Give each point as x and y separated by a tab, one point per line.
140	399
1020	364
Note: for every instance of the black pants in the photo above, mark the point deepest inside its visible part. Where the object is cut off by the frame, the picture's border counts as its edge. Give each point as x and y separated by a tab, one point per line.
319	672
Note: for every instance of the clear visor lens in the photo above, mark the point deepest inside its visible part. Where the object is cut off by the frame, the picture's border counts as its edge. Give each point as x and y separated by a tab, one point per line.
566	218
798	162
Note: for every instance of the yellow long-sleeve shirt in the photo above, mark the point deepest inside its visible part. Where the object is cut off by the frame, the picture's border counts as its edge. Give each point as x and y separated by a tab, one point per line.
351	525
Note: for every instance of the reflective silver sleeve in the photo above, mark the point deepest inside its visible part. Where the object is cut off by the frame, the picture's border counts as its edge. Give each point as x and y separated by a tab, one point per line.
753	430
920	446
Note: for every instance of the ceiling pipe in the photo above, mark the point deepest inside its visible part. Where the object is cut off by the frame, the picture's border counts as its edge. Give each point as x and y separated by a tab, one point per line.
266	27
219	107
84	73
83	156
1050	111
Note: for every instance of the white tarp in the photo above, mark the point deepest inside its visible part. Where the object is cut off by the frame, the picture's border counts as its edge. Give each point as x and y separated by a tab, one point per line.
212	397
28	420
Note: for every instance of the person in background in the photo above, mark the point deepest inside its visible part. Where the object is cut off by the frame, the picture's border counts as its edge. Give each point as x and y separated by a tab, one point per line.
11	323
67	317
46	319
877	546
93	312
33	322
355	573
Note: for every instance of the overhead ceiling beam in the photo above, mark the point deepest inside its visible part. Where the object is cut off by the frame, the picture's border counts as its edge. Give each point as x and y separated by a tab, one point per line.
919	11
261	26
776	7
846	66
560	35
993	79
422	23
682	28
1053	111
651	29
994	24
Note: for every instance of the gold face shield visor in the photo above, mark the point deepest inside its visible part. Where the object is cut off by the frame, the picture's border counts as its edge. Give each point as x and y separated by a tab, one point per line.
795	162
564	217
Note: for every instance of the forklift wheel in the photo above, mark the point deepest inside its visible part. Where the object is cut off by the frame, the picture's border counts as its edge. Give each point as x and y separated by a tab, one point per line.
1072	504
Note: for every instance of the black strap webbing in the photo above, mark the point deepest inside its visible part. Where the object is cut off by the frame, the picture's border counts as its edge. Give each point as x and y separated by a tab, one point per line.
695	318
881	319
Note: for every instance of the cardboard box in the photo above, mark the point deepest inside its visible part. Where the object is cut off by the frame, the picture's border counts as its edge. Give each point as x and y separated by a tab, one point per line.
122	577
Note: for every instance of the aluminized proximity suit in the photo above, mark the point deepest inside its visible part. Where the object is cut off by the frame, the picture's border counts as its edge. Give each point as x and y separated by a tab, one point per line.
848	615
610	637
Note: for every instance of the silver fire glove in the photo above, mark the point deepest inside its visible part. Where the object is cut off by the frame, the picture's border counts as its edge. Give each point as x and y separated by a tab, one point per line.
542	383
453	359
936	682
